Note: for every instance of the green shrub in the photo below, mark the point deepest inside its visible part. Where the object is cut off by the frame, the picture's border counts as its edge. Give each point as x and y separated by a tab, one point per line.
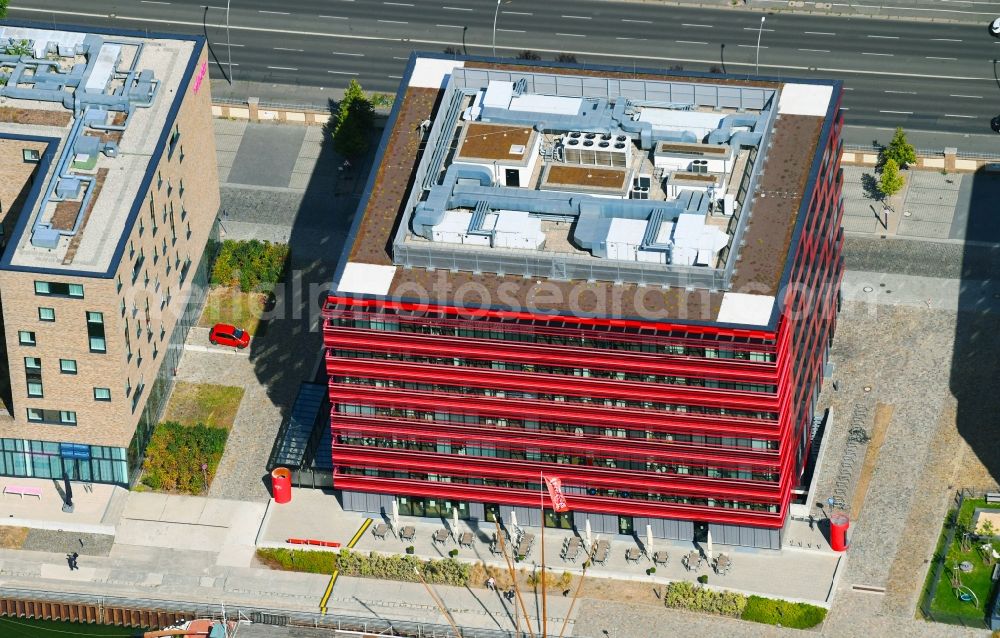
782	612
446	571
650	571
703	579
251	265
176	453
685	595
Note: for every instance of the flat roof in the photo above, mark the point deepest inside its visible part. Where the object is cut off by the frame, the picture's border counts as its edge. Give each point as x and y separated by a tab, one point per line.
99	159
495	142
759	265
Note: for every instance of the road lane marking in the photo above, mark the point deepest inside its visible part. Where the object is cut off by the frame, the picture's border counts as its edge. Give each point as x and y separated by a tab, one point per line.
884	37
512	30
223	44
572	35
334	17
698	26
756	29
456	9
515	13
429	42
816	50
283	68
636	39
637	21
277	13
450	26
689	42
153	2
902	92
394	21
395	77
750	46
968	117
931	57
847	88
944	40
887	55
342	72
357	55
286	49
398	4
898	112
577	17
819	33
971	97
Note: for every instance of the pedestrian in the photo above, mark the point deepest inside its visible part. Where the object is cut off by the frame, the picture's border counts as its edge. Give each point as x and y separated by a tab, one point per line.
509	594
491	584
74	557
812	522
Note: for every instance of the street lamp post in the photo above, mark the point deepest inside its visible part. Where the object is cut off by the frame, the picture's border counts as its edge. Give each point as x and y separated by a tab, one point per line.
229	46
759	32
495	15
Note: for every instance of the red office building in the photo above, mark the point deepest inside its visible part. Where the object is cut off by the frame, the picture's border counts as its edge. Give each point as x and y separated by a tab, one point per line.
626	281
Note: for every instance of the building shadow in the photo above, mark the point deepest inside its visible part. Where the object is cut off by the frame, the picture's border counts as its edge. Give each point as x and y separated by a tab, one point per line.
288	347
975	364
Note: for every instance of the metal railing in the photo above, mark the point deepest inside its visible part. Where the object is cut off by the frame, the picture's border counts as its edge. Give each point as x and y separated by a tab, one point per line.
923	152
383	626
270	105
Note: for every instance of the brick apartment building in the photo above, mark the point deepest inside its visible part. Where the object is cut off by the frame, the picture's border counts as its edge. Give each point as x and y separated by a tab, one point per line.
625	279
108	195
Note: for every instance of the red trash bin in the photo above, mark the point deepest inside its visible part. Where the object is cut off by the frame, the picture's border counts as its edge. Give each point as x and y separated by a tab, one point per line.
838	532
281	485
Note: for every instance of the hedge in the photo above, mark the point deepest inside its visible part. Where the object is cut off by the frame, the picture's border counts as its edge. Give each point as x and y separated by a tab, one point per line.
685	595
446	571
251	265
783	612
176	453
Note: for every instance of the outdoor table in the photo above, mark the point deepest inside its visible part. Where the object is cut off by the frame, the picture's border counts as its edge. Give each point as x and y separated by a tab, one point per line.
632	554
571	552
441	536
466	539
693	561
380	531
407	532
602	551
722	564
661	557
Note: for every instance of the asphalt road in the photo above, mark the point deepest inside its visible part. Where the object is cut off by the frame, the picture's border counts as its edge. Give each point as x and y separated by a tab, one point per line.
923	76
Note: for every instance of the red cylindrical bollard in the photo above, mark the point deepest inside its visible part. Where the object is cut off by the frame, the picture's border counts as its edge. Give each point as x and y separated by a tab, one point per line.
281	485
838	532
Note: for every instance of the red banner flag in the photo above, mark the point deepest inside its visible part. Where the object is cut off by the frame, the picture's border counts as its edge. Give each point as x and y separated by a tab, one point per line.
555	493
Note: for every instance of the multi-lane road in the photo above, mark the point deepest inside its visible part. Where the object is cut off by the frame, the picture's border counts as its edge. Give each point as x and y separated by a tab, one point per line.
925	76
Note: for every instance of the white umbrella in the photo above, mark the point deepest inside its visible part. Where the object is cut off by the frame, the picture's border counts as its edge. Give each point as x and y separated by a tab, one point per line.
513	521
395	515
708	547
454	521
649	540
586	533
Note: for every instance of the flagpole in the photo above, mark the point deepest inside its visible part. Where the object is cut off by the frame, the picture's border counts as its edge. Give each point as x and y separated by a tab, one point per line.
572	603
541	503
513	576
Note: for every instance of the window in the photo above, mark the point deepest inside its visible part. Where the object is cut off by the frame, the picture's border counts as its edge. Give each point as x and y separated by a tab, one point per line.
31	155
67	366
173	229
188	230
46	314
119	283
95	331
33	376
180	158
138	393
57	289
170	190
137	266
128	343
67	417
26	337
159	180
122	306
35	415
180	189
102	394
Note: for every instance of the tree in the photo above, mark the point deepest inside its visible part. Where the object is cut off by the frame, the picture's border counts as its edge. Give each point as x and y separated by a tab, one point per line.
528	55
353	122
3	8
891	181
900	150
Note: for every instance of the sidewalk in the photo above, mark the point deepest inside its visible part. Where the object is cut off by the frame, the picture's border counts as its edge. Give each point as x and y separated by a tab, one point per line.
917	10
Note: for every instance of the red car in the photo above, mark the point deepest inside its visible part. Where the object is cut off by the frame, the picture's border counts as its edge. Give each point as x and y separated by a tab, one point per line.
226	335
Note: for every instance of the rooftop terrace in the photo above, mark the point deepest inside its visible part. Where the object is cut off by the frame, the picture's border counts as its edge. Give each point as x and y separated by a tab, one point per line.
98	104
579	191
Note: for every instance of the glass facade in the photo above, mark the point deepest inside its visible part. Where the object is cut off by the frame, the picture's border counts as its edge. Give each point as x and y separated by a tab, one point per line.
47	459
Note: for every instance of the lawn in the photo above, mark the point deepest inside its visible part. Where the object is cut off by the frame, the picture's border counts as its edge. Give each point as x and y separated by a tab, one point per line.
978	580
227	304
213	405
183	458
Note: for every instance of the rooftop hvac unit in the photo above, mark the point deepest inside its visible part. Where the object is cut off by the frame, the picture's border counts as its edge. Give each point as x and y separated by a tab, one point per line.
588	151
699	166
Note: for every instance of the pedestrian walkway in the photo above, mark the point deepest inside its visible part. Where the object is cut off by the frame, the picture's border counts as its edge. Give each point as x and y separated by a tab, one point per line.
805	570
